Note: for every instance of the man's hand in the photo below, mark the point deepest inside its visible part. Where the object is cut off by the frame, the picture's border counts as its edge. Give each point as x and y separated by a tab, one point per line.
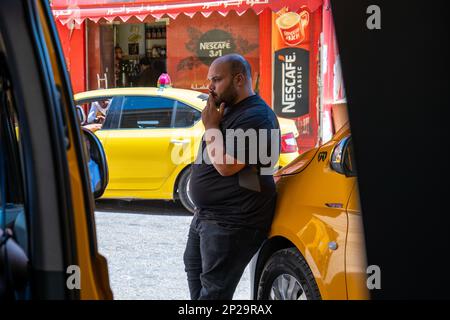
93	126
210	115
100	119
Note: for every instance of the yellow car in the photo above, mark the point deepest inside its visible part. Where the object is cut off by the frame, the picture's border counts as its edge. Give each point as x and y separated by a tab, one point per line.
48	242
151	136
316	244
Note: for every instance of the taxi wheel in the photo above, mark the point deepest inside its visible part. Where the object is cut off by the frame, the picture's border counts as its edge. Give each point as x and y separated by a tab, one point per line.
183	191
287	276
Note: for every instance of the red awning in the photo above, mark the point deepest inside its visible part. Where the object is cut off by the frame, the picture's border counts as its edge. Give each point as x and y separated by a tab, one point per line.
79	10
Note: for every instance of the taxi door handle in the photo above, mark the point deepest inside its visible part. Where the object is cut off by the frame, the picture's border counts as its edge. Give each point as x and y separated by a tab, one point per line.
177	141
334	205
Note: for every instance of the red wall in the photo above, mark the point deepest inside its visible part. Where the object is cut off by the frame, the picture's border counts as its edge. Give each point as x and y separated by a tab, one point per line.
265	50
73	44
93	52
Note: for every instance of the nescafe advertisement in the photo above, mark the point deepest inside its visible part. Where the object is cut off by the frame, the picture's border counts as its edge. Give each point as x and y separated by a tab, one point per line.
291	82
213	44
291	64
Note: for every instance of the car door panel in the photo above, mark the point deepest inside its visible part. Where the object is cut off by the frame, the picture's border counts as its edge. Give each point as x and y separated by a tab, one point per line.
58	204
318	225
355	253
139	159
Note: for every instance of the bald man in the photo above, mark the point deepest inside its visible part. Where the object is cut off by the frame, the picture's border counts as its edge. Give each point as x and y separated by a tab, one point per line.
231	183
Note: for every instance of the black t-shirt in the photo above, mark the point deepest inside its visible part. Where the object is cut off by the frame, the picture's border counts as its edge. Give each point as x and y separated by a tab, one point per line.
246	198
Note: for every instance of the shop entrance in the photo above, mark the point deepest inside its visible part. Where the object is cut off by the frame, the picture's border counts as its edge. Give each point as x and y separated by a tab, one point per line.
143	50
131	54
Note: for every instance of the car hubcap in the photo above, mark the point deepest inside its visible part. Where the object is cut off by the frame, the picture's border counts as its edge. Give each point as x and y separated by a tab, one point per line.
287	287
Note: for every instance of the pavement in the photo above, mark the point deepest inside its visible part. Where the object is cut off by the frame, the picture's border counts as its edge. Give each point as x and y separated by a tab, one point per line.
144	242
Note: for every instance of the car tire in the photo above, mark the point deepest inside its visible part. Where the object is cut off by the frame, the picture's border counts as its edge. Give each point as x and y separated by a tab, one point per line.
287	276
183	191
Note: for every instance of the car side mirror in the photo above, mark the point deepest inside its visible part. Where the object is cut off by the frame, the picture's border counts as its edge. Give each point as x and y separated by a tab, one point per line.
343	159
81	114
97	164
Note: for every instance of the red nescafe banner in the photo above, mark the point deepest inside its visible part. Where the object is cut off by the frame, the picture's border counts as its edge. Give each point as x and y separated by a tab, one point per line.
295	60
291	82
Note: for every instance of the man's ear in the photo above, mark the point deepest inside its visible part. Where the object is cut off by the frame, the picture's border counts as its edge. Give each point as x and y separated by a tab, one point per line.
240	79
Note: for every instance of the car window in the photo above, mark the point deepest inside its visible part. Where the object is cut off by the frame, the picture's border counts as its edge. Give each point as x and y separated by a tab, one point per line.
11	193
185	116
114	113
97	110
12	211
146	112
142	112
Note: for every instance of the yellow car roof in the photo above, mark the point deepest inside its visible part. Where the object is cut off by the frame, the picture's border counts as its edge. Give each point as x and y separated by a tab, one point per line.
191	97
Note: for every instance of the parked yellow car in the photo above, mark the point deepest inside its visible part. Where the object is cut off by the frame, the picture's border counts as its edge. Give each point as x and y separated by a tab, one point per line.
151	136
316	245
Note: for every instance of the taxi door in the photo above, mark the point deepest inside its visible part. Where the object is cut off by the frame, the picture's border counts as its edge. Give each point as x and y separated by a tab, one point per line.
142	140
50	162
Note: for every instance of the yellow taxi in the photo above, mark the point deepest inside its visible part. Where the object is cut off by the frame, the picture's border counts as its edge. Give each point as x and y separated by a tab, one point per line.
48	242
151	137
316	244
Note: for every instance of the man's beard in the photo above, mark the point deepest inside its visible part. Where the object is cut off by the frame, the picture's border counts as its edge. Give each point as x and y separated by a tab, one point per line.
229	96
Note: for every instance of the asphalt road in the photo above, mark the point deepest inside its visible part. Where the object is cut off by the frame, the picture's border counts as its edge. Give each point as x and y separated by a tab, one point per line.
144	242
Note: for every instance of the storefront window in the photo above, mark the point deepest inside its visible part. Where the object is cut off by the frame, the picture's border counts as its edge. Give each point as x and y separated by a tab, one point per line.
118	52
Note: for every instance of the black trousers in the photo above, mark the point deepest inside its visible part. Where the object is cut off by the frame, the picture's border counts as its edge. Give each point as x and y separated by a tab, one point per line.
216	256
